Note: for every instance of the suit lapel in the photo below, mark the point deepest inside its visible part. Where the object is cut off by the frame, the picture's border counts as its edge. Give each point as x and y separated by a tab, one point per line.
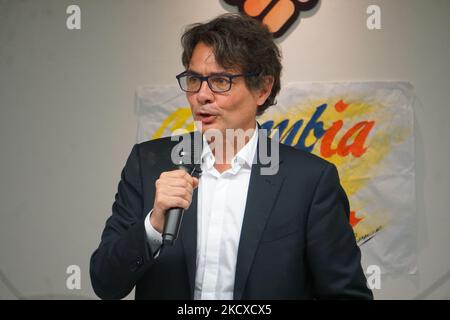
188	235
262	194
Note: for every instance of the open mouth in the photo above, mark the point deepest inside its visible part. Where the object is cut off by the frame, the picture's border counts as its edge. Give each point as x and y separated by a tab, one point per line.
206	118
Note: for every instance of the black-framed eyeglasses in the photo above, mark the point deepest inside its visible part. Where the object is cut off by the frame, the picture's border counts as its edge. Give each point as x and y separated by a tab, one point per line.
218	83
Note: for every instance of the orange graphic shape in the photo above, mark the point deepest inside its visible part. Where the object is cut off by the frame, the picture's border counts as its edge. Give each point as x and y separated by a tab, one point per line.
279	15
254	8
340	106
353	219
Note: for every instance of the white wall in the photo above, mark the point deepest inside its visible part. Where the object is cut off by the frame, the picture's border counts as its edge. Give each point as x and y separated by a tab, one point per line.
67	121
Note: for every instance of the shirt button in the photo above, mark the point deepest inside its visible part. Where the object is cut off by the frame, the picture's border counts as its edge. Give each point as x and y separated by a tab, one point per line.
139	262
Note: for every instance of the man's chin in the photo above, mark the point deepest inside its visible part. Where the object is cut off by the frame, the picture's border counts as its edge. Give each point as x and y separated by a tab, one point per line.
211	127
215	131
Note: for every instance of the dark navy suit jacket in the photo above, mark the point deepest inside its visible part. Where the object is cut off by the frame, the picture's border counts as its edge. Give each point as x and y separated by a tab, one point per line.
296	241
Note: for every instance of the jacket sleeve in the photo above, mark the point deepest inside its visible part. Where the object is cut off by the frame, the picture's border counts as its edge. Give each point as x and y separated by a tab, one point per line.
124	254
333	256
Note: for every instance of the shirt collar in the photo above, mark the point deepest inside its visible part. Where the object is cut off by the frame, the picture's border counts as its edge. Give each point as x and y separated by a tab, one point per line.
244	158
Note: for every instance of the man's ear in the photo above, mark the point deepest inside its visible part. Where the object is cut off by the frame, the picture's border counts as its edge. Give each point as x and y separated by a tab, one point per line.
264	92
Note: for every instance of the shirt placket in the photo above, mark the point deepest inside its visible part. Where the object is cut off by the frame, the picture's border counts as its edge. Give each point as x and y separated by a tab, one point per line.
214	231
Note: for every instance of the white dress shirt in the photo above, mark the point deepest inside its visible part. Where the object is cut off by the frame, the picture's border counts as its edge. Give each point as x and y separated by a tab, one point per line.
220	212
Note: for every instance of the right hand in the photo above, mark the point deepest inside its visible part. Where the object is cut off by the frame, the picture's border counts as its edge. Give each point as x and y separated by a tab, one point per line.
173	190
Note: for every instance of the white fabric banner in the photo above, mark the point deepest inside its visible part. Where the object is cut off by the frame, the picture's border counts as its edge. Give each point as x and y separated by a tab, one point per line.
364	128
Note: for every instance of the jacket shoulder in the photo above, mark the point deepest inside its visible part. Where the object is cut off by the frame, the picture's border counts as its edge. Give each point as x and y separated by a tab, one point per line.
156	143
294	157
160	150
163	143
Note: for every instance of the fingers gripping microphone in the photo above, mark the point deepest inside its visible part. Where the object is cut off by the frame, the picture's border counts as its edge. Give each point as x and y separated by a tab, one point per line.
174	216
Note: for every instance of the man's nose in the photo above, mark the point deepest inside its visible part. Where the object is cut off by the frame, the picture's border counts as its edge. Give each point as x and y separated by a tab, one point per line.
205	95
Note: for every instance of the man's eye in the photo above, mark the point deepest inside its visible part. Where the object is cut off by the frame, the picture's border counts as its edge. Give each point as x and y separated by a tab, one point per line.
191	80
220	81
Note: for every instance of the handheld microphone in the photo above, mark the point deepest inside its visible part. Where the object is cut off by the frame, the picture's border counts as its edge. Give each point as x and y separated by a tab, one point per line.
175	215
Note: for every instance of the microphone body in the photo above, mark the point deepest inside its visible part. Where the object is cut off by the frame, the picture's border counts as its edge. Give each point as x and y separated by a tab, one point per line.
172	225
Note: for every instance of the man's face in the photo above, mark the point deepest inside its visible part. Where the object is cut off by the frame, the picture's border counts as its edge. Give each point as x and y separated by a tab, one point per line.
228	110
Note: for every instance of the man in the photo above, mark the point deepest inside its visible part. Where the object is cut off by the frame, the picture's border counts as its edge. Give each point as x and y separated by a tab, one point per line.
244	235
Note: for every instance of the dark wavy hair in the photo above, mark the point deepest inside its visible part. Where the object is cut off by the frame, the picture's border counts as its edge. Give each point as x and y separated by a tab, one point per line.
238	41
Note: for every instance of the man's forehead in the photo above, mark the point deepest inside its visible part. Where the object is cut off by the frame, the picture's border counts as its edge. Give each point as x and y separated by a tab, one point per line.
209	56
217	70
204	55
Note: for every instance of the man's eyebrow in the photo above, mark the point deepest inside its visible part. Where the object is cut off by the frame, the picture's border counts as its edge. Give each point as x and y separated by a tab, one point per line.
210	74
192	72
